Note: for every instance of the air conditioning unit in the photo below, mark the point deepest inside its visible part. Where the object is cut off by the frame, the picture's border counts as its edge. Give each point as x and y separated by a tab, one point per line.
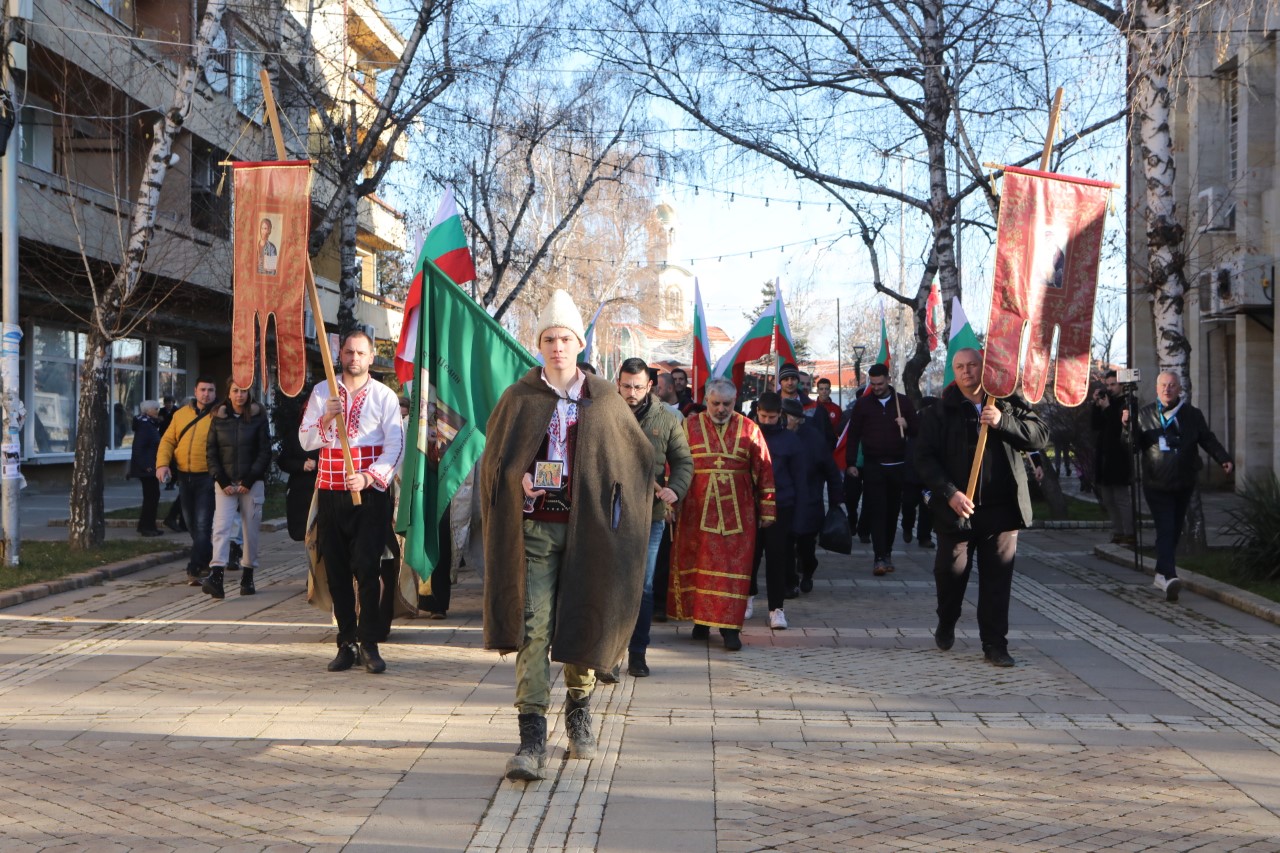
1215	211
367	328
1241	284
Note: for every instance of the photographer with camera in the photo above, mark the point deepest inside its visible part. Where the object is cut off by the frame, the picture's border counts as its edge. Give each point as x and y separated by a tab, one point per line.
1113	463
1169	434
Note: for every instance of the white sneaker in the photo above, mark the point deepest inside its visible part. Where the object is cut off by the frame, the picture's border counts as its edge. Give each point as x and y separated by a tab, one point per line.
1161	583
751	608
1171	590
777	620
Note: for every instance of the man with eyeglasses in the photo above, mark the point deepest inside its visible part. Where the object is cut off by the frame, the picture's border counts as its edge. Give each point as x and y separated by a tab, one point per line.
670	450
732	495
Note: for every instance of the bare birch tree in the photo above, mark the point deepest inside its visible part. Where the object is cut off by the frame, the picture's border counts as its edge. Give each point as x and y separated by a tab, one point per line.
1158	34
548	166
360	134
115	309
833	92
1153	31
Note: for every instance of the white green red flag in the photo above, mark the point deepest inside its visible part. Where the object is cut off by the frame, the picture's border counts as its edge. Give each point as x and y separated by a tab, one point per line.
463	362
769	334
883	356
701	363
962	337
446	247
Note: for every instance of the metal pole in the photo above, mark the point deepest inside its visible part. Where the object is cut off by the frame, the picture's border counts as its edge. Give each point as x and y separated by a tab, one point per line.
839	358
11	475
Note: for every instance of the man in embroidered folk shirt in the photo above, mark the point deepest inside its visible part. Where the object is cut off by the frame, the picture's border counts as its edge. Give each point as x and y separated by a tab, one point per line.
731	496
351	538
567	485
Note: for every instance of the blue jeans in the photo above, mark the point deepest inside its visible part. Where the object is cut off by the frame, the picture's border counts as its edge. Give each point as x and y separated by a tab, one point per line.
195	494
640	636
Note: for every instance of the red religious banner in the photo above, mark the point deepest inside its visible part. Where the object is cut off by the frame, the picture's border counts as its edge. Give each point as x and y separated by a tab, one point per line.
272	222
1048	246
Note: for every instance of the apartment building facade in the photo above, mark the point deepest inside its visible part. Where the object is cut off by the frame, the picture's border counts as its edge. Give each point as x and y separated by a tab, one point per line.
97	75
1228	195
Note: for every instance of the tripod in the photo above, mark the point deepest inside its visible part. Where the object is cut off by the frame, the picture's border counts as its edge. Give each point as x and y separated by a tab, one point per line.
1135	481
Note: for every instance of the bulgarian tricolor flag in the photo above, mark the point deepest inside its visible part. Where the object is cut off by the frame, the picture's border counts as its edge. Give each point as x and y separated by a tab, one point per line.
589	339
962	337
882	357
771	333
701	364
446	247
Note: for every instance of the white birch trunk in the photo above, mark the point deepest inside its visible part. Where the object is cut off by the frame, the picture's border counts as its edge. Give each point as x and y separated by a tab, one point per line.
1166	273
937	111
87	527
1152	40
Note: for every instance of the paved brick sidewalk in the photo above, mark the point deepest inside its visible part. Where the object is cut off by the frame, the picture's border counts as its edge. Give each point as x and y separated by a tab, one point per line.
141	715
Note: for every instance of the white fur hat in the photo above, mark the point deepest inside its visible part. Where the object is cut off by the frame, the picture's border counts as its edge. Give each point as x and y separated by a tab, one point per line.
560	312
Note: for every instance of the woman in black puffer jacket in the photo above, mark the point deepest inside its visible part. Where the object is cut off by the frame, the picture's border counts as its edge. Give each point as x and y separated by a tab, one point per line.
239	453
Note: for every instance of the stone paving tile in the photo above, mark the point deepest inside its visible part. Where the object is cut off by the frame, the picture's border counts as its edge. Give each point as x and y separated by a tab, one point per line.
993	796
139	716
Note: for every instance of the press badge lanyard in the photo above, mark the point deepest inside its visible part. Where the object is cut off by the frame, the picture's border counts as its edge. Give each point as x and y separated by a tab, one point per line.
1164	428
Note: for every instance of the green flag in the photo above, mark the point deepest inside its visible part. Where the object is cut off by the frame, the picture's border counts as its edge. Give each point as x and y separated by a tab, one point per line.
962	337
463	362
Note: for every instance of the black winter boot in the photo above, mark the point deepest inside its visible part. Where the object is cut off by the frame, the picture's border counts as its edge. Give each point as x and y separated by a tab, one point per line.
246	582
213	584
526	765
577	723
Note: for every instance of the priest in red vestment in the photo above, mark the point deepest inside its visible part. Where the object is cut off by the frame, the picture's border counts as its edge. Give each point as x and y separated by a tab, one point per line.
715	533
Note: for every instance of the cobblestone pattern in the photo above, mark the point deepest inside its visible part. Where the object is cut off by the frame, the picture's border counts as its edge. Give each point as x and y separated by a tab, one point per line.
565	810
965	796
1240	708
229	734
892	671
191	794
1193	627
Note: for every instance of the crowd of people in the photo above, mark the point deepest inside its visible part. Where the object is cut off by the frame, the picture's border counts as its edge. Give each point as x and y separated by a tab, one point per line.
609	504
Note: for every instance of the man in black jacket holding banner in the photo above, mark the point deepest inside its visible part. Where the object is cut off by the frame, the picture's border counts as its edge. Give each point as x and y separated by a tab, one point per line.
983	526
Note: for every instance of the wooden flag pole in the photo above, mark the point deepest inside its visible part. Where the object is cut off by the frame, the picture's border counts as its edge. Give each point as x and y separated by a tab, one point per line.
322	335
981	449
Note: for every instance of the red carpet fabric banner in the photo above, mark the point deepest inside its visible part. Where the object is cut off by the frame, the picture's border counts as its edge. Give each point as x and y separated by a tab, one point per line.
272	221
1046	275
